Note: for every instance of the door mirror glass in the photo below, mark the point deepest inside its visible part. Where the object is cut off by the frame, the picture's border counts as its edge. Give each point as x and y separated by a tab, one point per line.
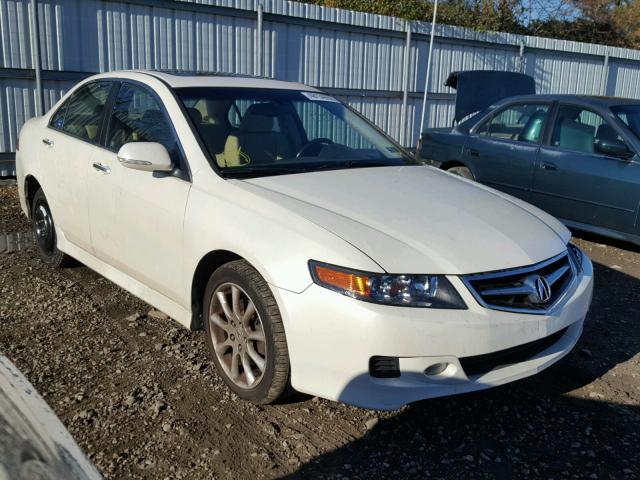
145	156
614	148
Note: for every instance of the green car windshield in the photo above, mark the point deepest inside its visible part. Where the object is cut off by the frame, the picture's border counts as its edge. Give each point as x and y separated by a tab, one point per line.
630	115
256	132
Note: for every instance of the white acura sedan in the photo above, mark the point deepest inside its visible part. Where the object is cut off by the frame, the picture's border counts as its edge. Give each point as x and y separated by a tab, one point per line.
311	249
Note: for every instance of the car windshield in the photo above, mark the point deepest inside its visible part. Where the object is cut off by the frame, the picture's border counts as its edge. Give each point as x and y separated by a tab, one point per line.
630	115
257	132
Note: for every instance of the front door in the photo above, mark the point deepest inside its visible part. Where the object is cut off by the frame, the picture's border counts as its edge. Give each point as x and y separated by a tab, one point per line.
502	150
136	216
576	181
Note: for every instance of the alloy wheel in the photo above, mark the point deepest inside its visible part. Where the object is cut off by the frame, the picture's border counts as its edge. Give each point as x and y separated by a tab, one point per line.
238	335
43	226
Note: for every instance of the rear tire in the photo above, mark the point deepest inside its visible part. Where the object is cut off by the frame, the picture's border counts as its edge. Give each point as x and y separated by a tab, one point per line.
245	335
461	171
44	232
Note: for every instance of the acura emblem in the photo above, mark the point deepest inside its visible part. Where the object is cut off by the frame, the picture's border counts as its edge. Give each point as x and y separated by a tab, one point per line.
543	290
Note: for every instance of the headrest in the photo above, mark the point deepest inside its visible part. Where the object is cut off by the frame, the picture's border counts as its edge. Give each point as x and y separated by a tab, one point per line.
98	109
259	117
570	112
606	132
195	115
256	123
266	109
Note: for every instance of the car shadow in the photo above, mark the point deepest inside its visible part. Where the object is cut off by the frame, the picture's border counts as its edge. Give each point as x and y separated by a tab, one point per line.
612	242
558	424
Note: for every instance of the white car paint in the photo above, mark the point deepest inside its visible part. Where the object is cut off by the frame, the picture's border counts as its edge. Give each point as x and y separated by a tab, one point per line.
148	234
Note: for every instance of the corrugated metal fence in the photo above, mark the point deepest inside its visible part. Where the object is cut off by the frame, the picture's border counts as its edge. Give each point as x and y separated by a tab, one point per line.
375	63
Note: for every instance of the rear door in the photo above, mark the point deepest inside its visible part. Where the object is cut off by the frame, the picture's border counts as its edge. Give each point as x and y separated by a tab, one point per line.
575	181
501	150
68	145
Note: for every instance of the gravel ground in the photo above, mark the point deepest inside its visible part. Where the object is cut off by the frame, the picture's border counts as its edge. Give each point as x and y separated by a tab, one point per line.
143	401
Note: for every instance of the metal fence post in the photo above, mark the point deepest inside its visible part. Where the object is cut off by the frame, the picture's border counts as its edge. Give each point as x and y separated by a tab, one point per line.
404	134
35	56
259	41
428	73
605	74
521	65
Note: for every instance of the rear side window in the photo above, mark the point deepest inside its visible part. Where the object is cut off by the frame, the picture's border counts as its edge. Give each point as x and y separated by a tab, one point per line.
81	115
521	122
138	117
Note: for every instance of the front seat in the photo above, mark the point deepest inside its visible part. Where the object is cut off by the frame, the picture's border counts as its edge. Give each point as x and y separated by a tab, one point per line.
533	127
576	136
255	141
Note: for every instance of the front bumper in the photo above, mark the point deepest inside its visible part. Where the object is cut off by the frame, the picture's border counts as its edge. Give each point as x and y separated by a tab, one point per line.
332	337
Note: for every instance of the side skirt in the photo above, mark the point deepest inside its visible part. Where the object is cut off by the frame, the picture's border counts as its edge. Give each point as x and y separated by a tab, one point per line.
133	286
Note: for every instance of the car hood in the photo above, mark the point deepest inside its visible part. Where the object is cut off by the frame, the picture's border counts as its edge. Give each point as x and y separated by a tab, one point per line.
418	219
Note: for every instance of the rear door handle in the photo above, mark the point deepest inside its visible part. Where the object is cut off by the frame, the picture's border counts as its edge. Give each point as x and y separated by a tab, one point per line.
474	153
101	167
47	142
548	166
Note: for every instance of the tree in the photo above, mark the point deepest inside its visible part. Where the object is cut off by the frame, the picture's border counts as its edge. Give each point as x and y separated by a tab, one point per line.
611	22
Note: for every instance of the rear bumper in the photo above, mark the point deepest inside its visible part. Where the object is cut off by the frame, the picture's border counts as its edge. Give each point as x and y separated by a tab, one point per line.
331	339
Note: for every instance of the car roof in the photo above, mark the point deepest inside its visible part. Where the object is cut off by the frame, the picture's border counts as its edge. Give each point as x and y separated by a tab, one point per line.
586	100
186	79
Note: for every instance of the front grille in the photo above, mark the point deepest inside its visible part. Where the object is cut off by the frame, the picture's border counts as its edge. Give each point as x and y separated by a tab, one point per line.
533	289
481	364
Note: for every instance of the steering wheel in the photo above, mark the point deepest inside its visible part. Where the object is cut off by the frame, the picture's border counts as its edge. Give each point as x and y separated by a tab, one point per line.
316	142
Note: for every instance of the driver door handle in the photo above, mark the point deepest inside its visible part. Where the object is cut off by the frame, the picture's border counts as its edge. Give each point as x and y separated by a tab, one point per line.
548	166
47	142
101	167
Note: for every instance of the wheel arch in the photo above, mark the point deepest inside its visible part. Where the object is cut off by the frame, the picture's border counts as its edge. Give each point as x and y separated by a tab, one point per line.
453	163
205	268
31	186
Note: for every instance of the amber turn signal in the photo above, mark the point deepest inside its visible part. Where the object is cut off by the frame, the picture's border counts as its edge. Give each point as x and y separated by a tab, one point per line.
348	282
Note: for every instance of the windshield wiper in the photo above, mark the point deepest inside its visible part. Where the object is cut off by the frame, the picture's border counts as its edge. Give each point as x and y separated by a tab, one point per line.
258	171
347	164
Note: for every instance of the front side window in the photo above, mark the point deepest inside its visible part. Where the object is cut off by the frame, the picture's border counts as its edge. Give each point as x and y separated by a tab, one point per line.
520	122
257	131
582	130
138	117
81	115
630	115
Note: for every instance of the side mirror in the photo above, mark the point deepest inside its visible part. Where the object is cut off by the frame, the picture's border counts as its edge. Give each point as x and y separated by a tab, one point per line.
145	156
614	148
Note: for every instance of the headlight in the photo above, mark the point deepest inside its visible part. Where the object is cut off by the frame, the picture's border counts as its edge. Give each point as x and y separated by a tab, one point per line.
576	255
430	291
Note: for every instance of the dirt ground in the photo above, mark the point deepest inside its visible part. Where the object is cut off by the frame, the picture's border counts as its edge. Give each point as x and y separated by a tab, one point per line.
142	399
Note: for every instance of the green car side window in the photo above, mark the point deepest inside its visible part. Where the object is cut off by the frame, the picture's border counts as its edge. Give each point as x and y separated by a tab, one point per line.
521	122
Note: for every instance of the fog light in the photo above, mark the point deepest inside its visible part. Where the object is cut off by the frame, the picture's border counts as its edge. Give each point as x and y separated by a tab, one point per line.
435	369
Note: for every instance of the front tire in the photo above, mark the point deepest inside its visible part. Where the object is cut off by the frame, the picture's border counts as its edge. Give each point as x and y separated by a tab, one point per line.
461	171
44	232
244	333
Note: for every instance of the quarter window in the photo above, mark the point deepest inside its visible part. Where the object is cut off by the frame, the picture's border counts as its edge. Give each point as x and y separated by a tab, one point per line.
82	114
581	130
138	117
521	122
